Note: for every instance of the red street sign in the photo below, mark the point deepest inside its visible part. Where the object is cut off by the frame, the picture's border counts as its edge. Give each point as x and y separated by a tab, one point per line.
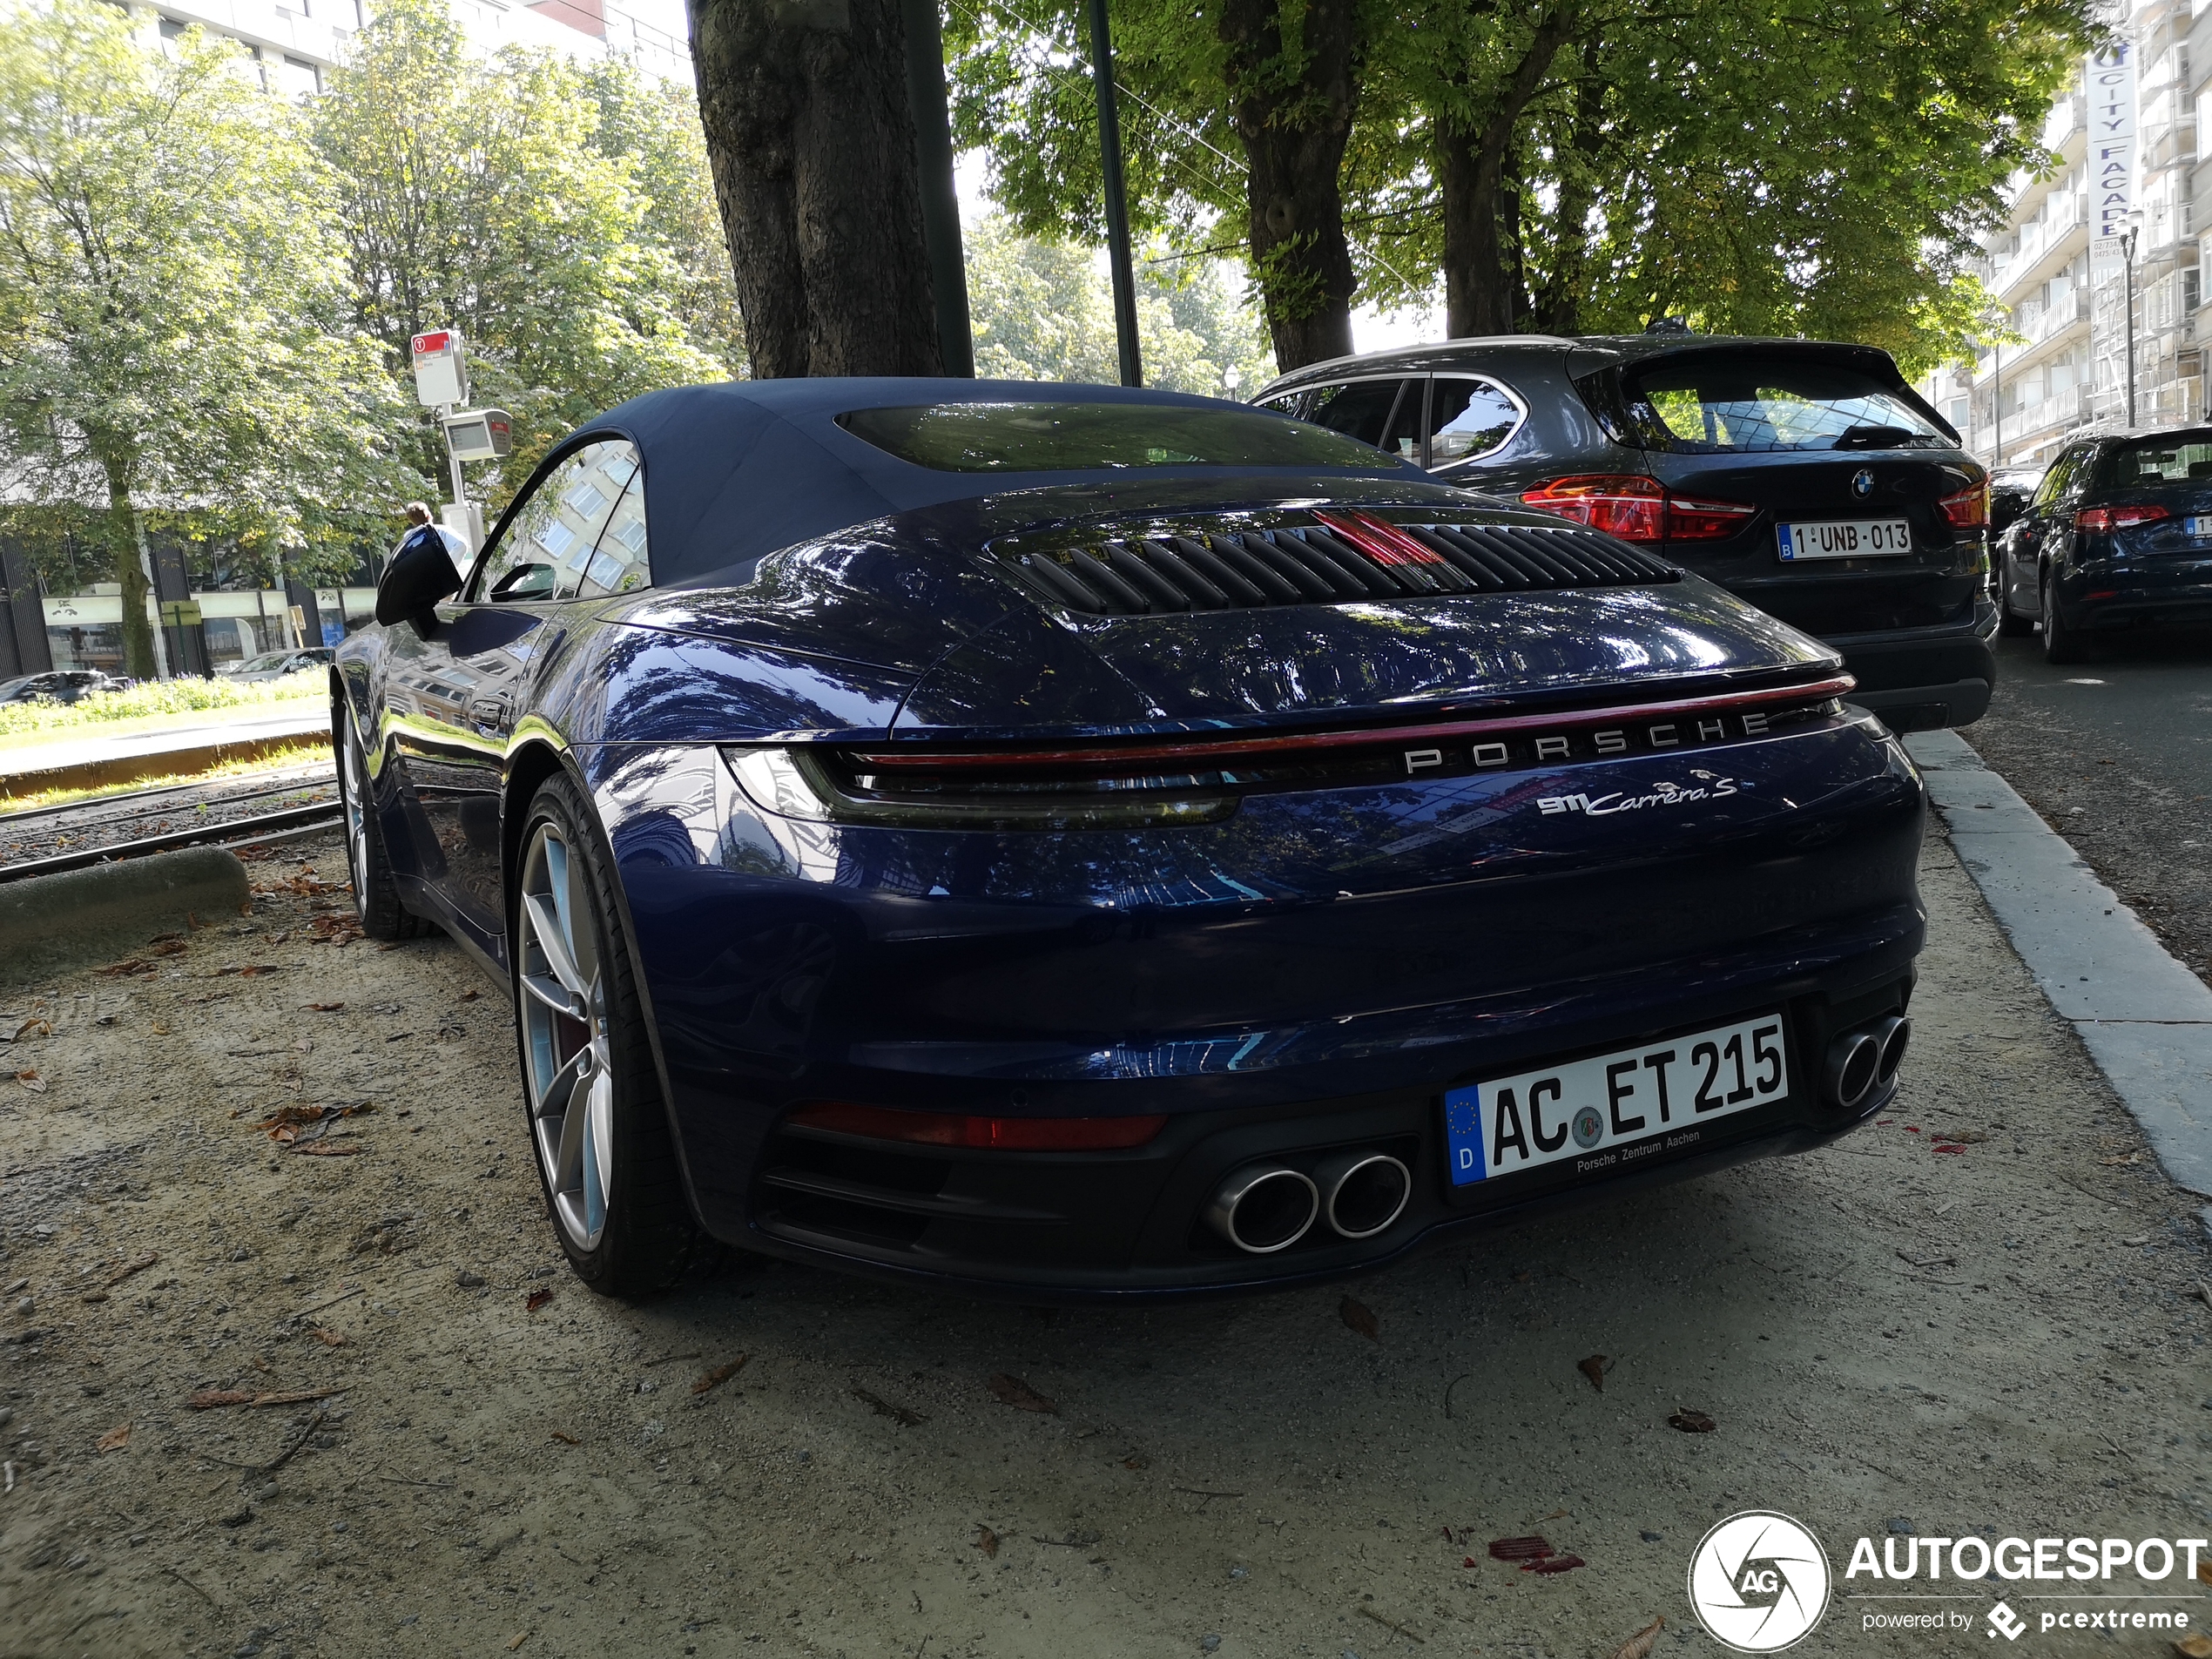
432	345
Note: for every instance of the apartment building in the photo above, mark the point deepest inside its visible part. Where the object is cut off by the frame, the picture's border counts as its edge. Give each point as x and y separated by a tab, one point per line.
2069	371
294	44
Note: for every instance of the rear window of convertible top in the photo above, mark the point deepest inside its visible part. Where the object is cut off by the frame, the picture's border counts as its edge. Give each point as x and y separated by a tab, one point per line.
1072	437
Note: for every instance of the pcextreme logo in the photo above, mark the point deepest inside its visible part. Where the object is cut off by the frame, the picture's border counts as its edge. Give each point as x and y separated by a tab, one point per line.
1759	1581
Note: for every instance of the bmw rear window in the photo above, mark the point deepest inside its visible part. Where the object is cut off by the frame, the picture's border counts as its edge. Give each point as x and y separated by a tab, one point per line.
1074	437
1723	405
2179	458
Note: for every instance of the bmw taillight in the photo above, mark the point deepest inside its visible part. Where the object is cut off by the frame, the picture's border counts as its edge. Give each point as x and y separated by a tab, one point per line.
1968	510
981	1133
1638	509
2106	519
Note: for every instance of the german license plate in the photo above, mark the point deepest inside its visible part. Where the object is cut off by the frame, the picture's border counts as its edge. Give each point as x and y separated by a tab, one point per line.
1844	538
1613	1110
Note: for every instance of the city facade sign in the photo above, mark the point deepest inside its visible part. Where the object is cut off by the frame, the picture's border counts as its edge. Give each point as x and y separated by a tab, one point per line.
2109	79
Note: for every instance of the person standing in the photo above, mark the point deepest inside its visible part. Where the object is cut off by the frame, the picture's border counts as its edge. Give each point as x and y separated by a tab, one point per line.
421	526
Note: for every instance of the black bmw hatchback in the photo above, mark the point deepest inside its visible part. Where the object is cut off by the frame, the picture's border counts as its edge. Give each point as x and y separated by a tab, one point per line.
2118	536
1805	475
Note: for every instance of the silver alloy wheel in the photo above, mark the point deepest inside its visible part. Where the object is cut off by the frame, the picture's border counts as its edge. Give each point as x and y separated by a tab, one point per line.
564	1038
356	792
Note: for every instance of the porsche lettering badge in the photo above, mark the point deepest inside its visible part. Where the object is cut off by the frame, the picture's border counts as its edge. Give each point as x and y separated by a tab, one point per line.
1656	738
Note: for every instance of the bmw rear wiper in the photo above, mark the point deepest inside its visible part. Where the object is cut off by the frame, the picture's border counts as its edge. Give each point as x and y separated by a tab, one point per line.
1877	437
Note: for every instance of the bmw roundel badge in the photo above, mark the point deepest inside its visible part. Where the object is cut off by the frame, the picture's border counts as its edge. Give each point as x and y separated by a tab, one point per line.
1862	482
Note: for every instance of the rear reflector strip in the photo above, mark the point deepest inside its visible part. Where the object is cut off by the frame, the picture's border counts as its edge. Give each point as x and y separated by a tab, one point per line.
982	1134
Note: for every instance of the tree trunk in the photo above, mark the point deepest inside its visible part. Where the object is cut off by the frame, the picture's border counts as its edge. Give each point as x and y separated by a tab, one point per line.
811	135
1295	118
1482	278
123	539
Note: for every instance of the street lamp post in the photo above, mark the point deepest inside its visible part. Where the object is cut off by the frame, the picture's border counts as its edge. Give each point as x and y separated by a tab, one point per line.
2127	253
1109	161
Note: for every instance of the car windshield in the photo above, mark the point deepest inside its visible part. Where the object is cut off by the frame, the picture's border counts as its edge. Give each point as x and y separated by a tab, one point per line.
256	664
2177	458
1715	405
1074	437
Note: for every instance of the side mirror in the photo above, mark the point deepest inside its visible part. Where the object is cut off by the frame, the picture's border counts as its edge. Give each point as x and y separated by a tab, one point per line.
416	580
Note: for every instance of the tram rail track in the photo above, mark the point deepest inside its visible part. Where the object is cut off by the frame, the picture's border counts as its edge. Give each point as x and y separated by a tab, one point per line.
99	817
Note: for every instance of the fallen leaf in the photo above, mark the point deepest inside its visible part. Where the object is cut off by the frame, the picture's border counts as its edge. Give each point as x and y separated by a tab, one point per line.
169	947
1138	1461
566	1437
1639	1646
885	1408
2197	1647
536	1300
520	1636
1960	1150
1593	1368
161	1030
713	1378
1691	1422
41	1027
1553	1564
1016	1392
471	996
327	1337
1962	1137
1529	1549
115	1439
134	965
31	1081
1360	1318
254	969
2204	1571
325	1008
988	1541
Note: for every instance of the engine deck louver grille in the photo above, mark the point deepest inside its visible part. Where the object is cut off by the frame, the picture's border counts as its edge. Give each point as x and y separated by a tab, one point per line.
1344	559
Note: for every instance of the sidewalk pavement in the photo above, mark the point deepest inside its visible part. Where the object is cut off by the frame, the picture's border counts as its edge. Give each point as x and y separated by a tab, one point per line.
146	755
2145	1019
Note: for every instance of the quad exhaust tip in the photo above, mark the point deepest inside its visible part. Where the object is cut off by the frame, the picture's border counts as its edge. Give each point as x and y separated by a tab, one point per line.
1863	1061
1264	1208
1363	1192
1267	1207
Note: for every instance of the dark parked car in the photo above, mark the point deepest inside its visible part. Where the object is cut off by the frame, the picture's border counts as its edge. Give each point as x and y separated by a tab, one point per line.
1064	841
60	685
2118	536
1808	477
2010	490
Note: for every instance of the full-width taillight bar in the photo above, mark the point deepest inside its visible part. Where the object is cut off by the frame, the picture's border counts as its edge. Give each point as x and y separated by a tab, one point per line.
1223	751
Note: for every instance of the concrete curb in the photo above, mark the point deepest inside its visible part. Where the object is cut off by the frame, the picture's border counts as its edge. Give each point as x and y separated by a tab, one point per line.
2145	1019
158	763
51	922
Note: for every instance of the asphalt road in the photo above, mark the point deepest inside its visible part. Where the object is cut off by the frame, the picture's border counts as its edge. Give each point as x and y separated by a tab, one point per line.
2116	753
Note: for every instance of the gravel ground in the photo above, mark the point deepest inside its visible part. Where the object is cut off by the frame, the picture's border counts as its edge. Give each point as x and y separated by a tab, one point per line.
46	832
1885	1336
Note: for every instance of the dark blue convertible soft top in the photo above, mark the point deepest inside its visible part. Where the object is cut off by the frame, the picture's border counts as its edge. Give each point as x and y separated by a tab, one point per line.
737	470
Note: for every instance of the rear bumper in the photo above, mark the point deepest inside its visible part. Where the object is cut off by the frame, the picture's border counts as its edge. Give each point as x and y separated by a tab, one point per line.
1919	680
2142	592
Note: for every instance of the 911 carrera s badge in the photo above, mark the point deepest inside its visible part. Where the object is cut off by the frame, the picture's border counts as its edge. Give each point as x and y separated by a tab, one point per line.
1712	786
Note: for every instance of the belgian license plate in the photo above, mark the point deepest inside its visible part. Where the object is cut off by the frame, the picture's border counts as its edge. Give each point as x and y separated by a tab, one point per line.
1845	538
1614	1110
2197	530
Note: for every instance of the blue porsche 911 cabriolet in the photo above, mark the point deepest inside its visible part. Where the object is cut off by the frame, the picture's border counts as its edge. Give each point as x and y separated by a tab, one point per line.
1069	842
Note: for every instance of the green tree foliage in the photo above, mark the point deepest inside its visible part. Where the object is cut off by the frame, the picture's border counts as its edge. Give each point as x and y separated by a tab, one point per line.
1783	166
1043	310
174	332
501	196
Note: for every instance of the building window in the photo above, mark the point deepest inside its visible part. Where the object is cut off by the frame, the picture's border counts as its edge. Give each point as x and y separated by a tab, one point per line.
298	77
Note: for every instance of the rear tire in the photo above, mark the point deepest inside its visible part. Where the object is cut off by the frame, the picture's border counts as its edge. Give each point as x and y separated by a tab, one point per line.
597	1123
2062	642
376	897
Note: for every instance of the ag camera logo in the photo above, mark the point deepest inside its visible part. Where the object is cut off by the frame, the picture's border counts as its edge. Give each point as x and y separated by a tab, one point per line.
1759	1581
